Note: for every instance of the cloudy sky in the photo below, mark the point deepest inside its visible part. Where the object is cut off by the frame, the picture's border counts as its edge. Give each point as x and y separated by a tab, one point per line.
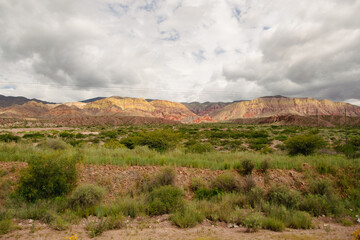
180	50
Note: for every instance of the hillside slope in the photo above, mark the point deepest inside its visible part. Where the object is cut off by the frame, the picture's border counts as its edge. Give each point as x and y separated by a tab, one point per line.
273	109
276	106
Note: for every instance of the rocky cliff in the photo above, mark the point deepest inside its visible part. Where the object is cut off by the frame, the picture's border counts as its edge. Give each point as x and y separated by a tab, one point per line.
275	106
261	110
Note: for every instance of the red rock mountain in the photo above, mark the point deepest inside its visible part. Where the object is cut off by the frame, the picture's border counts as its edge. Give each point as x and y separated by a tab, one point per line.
276	106
111	107
116	110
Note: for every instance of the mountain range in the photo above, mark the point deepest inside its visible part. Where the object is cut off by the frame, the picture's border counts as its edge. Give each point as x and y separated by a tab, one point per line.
117	110
6	101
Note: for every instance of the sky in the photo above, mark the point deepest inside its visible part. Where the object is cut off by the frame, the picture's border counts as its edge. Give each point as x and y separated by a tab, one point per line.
180	50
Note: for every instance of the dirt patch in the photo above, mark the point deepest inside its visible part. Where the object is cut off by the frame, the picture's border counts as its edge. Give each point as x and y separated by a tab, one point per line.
16	130
161	228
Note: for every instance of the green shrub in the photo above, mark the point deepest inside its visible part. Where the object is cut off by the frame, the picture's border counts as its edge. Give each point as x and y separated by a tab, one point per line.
56	144
276	211
5	188
125	206
34	135
316	205
108	134
6	226
197	183
87	195
113	144
67	135
206	193
96	227
59	223
130	142
80	135
253	222
266	150
345	222
3	172
160	140
255	197
200	148
47	177
300	220
281	138
246	167
226	182
237	216
187	218
355	141
265	165
42	210
350	150
165	177
165	199
8	137
273	224
304	144
293	219
321	187
220	208
257	144
283	196
75	143
249	183
258	134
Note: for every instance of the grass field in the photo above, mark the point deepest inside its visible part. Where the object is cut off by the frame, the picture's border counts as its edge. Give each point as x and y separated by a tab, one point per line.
48	190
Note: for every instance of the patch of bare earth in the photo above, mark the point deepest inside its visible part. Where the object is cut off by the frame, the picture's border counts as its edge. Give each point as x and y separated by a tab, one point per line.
161	228
34	129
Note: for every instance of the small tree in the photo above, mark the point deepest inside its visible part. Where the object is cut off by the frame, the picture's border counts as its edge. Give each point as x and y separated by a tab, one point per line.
304	144
47	177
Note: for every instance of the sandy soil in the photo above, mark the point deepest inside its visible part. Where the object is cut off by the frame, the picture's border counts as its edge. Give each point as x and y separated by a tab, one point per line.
16	130
160	228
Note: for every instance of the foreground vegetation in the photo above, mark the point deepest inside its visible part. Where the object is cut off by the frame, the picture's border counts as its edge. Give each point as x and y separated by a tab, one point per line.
48	190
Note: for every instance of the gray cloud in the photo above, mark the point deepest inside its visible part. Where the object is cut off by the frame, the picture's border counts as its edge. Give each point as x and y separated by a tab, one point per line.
310	54
204	50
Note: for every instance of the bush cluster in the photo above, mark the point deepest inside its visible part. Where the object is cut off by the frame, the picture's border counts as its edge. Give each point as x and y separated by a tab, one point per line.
304	144
48	177
87	195
8	137
160	140
165	199
198	147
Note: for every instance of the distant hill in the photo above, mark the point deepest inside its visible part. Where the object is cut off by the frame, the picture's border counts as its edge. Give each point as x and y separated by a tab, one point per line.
207	108
7	101
267	110
107	108
279	105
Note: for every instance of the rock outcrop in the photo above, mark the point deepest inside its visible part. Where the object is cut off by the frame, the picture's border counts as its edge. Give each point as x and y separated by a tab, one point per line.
275	106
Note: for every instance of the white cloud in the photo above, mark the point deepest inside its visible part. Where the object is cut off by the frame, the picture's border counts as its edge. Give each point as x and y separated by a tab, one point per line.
209	50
